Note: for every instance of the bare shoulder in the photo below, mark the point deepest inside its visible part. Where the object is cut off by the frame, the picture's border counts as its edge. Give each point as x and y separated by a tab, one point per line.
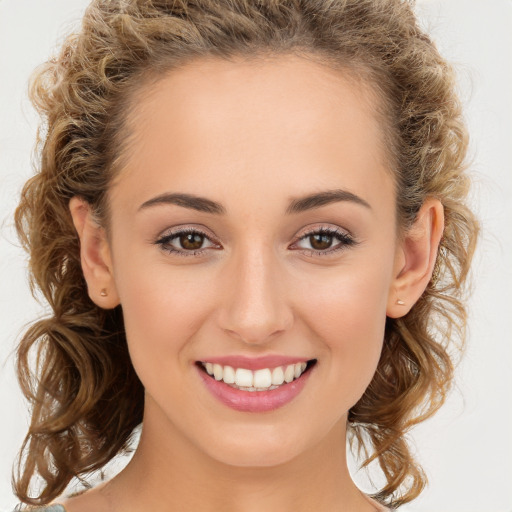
92	500
378	506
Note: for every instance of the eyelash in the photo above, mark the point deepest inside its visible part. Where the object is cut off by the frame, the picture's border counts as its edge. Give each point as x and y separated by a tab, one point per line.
345	239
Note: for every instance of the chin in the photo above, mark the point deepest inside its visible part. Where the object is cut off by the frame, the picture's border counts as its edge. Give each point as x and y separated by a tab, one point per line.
255	451
256	458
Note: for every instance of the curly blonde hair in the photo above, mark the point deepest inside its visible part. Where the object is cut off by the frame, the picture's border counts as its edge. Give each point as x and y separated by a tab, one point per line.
86	398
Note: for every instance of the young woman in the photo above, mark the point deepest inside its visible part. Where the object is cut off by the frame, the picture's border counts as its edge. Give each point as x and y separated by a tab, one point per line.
250	225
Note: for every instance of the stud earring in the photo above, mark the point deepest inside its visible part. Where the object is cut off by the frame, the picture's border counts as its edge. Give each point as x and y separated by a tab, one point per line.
103	292
400	302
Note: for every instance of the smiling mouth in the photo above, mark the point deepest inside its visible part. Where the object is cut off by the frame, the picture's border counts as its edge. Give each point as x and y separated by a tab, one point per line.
265	379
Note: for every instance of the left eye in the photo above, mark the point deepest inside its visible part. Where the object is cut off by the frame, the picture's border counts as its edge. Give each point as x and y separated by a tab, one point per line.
321	241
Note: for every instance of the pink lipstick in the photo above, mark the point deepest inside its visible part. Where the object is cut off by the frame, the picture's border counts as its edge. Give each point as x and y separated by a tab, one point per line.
252	399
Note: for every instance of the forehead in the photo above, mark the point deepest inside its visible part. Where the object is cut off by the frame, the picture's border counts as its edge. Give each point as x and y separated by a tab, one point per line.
247	120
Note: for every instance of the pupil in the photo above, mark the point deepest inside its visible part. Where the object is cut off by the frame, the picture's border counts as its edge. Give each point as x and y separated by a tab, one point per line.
191	241
321	241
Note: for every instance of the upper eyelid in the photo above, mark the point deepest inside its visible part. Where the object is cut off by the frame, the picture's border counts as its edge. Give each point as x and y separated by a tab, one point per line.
329	229
171	232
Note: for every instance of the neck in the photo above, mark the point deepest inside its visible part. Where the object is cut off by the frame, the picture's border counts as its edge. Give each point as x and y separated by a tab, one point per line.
168	473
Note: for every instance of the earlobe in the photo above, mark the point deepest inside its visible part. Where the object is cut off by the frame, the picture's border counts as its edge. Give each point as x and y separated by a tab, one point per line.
417	257
95	255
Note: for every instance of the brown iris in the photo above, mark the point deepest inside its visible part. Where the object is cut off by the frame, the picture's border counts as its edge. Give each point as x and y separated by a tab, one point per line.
320	241
192	241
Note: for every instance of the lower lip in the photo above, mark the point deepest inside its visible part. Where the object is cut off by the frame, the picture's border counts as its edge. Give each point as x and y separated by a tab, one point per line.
254	401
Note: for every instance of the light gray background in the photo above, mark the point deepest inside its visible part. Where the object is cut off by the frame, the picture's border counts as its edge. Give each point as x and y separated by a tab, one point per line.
467	448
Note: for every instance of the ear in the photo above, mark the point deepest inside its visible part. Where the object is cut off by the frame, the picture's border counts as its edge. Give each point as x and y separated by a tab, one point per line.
415	258
95	255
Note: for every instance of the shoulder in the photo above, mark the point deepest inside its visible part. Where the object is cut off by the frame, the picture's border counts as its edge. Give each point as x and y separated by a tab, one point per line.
378	507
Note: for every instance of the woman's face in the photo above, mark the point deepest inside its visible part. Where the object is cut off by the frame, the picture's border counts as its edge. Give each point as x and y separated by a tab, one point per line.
253	227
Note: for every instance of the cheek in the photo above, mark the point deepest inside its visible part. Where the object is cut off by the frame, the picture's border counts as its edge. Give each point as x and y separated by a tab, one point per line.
162	310
346	304
346	311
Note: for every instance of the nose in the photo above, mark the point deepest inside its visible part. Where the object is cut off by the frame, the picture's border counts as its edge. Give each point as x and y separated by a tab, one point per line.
256	308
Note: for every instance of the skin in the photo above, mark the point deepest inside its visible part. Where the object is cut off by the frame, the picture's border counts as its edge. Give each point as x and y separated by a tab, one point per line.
242	134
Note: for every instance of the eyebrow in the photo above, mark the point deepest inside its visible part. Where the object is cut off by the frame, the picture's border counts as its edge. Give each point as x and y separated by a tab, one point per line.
316	200
201	204
297	205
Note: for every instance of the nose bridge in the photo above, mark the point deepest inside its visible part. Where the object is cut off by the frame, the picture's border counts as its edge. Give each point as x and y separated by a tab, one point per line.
257	305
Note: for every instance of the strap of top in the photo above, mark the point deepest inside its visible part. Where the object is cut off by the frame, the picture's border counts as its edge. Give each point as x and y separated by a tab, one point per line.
48	508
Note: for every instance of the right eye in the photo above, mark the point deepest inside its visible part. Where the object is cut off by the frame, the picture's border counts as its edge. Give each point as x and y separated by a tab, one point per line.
185	242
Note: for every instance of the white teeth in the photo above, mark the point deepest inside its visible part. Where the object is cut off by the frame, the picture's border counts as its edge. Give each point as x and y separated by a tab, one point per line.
262	378
229	375
217	371
259	380
243	377
277	376
289	373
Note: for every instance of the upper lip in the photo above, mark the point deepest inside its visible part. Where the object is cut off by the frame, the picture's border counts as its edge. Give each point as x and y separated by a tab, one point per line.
255	363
